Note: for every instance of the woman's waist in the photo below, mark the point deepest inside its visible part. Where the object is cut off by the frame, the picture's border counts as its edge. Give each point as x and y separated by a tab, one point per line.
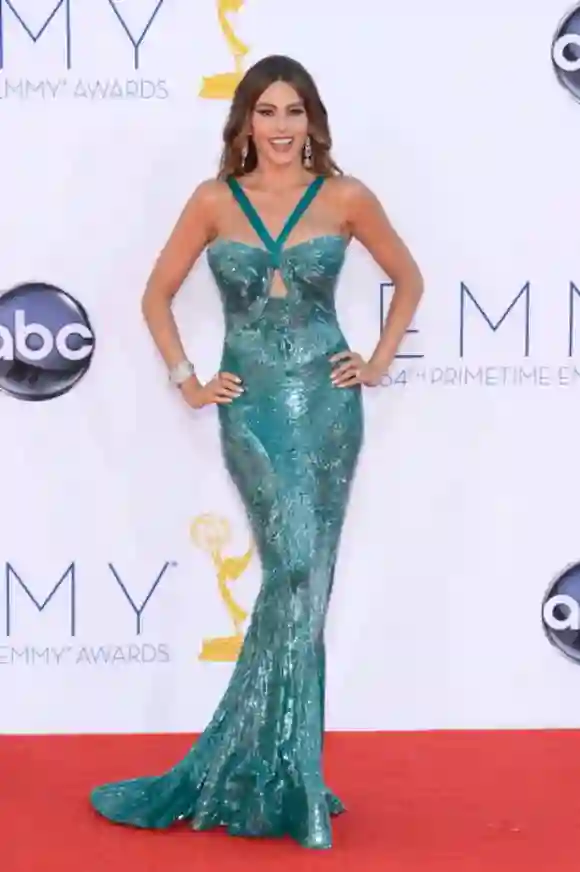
277	375
284	345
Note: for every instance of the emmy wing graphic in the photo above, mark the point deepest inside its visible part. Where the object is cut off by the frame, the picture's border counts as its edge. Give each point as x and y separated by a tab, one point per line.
211	533
221	86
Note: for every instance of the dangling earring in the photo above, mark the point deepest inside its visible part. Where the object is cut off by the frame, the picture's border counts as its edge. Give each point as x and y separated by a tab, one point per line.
308	153
245	151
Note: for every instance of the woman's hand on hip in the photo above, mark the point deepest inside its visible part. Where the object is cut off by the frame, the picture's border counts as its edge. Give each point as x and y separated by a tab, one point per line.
224	387
353	370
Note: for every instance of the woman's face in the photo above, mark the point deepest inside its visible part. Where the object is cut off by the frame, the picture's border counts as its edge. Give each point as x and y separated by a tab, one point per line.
279	125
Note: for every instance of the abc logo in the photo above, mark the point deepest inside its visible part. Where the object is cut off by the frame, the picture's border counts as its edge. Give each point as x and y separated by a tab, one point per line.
561	612
46	342
566	52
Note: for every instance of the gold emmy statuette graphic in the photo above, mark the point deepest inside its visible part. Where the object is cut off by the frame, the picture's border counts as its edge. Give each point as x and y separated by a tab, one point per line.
222	85
211	533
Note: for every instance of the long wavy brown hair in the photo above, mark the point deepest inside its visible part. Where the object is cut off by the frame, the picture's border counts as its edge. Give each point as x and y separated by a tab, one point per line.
275	68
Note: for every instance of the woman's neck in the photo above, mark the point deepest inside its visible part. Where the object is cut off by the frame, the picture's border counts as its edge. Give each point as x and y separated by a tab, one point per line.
276	178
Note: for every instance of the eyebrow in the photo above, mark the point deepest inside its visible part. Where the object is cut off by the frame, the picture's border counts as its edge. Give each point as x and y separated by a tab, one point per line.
296	104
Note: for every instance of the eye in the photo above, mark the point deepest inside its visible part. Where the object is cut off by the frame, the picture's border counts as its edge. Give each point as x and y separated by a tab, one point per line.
297	110
265	112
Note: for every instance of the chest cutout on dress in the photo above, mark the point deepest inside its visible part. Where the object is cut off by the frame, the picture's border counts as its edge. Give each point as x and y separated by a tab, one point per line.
275	246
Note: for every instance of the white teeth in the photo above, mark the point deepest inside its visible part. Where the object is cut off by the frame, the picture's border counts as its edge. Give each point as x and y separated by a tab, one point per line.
285	141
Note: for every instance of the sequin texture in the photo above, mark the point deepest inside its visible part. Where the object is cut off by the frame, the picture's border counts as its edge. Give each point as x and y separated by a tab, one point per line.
290	443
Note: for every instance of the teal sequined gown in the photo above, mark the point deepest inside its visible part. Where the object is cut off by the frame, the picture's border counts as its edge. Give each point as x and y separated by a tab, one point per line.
290	443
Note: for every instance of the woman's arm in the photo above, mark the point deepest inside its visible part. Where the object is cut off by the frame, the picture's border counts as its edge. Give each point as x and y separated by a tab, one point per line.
192	232
370	225
195	228
366	220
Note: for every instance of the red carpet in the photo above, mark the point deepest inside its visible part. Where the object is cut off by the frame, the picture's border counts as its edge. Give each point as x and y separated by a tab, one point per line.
438	802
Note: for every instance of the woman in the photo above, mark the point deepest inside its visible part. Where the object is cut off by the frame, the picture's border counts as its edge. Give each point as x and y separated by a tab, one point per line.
276	225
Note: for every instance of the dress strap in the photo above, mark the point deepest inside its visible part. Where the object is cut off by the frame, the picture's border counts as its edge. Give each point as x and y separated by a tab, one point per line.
249	210
299	210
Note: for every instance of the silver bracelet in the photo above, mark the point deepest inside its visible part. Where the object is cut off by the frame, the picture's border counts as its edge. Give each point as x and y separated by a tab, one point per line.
181	372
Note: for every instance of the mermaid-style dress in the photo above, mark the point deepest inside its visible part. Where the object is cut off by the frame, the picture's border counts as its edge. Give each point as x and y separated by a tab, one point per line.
290	443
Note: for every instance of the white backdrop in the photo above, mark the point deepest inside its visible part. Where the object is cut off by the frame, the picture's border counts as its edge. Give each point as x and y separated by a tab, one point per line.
464	507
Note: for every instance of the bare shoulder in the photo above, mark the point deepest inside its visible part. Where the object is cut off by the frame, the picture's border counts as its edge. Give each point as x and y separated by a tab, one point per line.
351	197
351	191
209	194
205	204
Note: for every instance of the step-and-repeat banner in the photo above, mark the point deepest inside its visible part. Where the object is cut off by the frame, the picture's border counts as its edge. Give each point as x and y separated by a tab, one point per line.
122	538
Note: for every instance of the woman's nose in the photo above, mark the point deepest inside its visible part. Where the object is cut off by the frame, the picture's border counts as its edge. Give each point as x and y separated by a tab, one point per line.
281	122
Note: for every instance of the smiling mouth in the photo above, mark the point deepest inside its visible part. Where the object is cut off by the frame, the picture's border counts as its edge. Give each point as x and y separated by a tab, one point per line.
281	143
